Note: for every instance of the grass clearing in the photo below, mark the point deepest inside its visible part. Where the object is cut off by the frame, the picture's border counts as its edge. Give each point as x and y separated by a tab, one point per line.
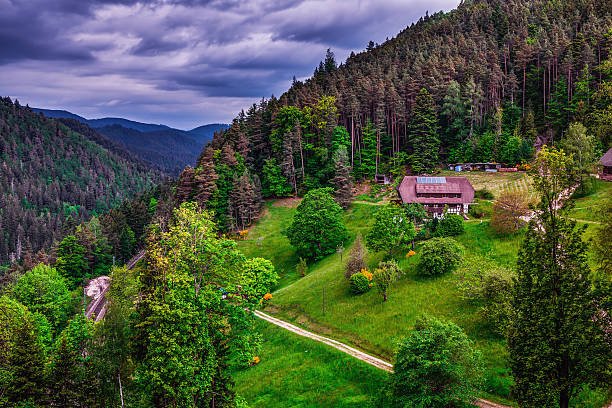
298	372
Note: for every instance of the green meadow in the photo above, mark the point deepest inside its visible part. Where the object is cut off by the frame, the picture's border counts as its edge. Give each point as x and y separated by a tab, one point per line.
321	302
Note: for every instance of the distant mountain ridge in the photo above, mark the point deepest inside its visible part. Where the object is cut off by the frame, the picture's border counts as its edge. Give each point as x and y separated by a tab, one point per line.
158	145
54	177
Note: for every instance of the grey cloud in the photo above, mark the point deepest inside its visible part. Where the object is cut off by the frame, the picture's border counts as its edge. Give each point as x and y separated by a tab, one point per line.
129	58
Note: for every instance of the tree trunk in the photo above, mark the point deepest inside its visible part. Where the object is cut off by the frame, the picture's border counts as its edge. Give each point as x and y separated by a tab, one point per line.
564	399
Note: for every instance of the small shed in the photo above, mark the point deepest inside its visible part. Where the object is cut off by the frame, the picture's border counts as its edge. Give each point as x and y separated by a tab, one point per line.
606	163
382	179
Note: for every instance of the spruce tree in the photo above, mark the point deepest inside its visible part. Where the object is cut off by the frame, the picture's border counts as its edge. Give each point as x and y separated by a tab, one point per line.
343	181
423	134
556	345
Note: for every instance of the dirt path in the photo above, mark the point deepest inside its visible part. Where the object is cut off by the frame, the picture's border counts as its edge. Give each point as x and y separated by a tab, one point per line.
376	362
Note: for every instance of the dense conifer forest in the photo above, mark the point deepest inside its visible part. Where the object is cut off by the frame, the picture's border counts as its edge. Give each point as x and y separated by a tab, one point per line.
53	178
489	81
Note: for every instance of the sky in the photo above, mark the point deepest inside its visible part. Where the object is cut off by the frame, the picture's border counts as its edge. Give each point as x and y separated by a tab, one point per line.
181	63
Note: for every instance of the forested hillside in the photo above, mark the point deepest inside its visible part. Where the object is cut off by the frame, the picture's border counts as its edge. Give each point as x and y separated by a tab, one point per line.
170	150
53	178
159	146
489	81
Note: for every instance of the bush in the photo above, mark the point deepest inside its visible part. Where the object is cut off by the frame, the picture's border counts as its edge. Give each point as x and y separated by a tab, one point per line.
302	267
486	284
439	256
484	194
360	283
481	210
450	226
587	186
437	365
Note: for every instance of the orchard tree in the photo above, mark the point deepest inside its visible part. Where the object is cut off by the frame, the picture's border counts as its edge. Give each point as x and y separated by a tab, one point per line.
386	273
416	212
392	229
554	303
437	365
581	146
317	228
508	212
258	278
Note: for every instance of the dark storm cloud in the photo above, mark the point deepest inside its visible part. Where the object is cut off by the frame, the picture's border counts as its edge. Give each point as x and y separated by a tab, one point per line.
180	62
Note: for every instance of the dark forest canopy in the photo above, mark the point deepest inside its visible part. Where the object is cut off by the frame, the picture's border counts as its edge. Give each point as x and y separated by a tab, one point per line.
53	178
489	81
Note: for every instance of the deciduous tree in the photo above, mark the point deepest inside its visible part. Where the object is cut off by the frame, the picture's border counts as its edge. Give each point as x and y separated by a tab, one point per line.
508	211
437	365
391	230
317	228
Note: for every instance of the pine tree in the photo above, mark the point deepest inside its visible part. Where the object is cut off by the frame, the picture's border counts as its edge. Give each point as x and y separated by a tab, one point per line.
343	181
244	202
367	155
423	134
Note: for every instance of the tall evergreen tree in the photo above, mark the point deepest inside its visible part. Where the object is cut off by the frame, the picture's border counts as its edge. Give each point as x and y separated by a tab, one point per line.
556	346
343	181
423	134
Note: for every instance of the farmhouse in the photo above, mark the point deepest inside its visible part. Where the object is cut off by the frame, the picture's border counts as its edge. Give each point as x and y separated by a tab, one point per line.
436	193
606	162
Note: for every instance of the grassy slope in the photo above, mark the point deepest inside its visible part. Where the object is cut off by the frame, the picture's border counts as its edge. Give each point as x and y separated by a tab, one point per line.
298	372
321	301
589	208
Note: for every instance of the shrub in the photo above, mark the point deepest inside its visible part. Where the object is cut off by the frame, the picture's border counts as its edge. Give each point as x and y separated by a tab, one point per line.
359	283
439	256
481	210
486	284
302	267
437	365
484	194
356	261
587	186
450	226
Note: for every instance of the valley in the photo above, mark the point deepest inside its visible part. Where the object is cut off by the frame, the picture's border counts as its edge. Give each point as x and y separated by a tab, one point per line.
351	203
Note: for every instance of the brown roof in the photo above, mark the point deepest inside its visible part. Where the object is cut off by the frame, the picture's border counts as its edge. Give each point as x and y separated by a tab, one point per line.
606	159
409	188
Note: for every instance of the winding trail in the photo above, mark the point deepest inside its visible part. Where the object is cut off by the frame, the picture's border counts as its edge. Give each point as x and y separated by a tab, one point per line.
374	361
